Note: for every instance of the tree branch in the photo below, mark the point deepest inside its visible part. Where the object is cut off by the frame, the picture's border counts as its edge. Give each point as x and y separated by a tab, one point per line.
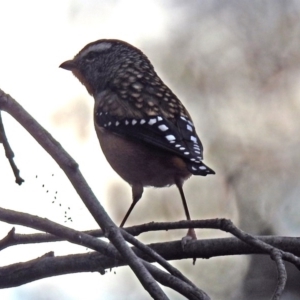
95	262
73	236
145	272
282	275
158	252
9	153
71	169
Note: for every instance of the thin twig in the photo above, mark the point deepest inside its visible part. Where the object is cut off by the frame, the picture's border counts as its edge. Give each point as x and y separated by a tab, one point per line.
69	234
228	226
159	259
9	153
176	284
281	274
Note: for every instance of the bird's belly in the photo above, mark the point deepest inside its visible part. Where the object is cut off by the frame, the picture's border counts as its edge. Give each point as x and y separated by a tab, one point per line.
139	163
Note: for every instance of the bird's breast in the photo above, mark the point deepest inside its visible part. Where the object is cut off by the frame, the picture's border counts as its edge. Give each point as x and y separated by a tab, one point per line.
139	163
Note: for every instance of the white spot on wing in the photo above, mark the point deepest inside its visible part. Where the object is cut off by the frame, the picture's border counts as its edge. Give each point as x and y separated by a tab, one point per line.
202	168
163	127
170	137
159	118
133	122
117	123
143	121
193	139
152	121
126	122
189	127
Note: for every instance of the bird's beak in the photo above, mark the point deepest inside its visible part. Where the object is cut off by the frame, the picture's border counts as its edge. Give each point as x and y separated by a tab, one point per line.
68	65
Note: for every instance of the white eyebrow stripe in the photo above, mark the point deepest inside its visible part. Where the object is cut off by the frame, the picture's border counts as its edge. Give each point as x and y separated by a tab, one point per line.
96	47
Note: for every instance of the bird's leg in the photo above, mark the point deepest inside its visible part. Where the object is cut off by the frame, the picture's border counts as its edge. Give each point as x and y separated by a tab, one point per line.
137	192
191	232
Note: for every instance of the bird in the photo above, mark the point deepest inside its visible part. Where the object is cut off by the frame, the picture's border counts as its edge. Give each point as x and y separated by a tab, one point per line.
145	132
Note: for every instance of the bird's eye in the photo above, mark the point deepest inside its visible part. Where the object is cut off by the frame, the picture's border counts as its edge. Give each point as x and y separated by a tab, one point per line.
91	56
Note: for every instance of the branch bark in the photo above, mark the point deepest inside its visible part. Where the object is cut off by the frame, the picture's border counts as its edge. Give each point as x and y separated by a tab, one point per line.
71	169
139	257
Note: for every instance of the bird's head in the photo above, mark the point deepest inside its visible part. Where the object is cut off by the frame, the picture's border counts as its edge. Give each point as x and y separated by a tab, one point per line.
103	63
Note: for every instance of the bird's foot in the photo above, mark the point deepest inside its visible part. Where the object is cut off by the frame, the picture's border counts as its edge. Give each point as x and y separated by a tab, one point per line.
190	236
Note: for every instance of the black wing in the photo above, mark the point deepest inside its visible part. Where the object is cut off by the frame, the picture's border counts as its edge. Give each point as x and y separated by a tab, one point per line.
179	138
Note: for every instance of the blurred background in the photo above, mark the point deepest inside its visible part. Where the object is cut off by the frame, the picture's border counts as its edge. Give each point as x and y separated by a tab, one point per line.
234	64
